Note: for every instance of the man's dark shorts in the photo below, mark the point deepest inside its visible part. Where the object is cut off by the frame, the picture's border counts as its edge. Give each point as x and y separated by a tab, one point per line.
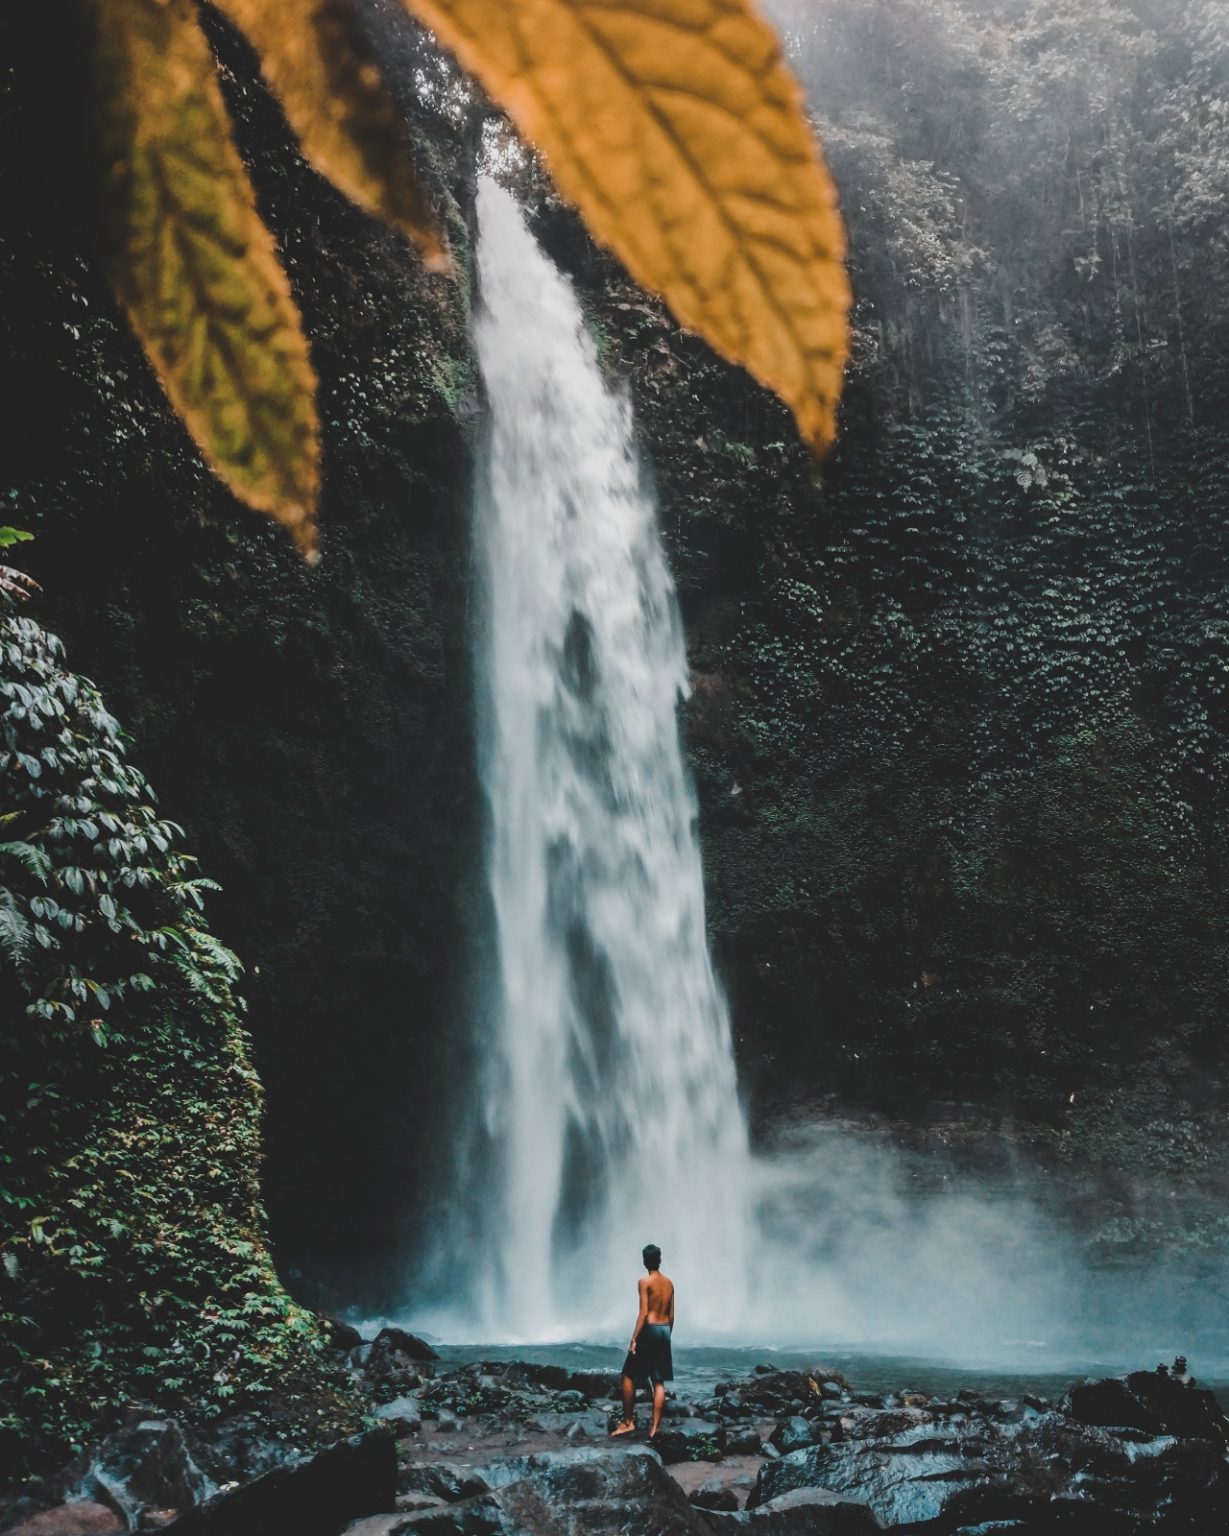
652	1360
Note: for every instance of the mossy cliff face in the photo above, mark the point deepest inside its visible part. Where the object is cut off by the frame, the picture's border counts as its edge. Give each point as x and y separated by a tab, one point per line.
133	1240
309	728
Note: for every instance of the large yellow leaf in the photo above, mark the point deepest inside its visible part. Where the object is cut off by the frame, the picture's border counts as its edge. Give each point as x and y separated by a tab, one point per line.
194	265
678	131
318	63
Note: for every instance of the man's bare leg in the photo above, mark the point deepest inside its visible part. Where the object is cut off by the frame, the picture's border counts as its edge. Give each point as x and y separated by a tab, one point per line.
629	1416
659	1403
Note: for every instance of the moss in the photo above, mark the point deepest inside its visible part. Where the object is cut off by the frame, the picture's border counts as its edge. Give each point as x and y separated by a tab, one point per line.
133	1243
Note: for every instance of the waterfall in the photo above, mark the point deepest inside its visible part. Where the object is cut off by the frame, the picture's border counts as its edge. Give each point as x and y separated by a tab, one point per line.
610	1115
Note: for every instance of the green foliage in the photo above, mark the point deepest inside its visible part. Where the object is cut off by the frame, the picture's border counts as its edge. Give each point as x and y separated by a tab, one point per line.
132	1237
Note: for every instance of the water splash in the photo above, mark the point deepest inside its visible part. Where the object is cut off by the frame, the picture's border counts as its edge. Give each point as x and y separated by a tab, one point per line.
610	1113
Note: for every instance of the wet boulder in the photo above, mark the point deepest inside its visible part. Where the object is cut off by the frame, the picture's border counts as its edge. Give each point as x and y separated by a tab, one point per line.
450	1481
793	1434
594	1384
316	1495
714	1494
339	1335
143	1467
403	1415
1157	1402
801	1512
907	1479
739	1440
524	1375
688	1440
777	1391
582	1492
396	1359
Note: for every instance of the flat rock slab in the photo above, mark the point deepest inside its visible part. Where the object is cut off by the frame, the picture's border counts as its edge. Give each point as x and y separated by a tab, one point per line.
801	1512
903	1484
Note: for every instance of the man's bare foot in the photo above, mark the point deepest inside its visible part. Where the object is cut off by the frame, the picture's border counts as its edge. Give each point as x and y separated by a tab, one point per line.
626	1428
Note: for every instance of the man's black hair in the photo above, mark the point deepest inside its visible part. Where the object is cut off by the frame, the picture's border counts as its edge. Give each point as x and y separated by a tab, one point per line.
652	1257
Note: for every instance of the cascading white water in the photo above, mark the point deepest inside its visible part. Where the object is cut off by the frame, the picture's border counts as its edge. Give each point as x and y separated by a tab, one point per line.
609	1114
611	1109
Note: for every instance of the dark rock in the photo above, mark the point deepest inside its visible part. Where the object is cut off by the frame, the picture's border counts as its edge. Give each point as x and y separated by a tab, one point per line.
242	1448
594	1384
1153	1401
779	1392
145	1465
585	1492
802	1512
739	1440
403	1415
993	1528
867	1423
309	1496
447	1480
483	1515
341	1336
687	1440
395	1357
525	1375
908	1479
416	1503
387	1525
793	1434
712	1493
1129	1471
764	1370
1110	1404
600	1492
81	1517
409	1344
570	1399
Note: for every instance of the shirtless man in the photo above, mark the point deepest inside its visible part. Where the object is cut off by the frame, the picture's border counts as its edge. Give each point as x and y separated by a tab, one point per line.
648	1354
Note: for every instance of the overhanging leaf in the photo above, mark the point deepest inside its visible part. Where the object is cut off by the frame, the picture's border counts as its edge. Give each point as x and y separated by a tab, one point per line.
677	130
318	63
193	263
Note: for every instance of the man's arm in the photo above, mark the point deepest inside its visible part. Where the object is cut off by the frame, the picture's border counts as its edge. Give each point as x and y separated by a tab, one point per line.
642	1287
673	1293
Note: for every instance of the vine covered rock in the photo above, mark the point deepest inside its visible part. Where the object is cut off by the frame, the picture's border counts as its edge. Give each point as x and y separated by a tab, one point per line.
133	1254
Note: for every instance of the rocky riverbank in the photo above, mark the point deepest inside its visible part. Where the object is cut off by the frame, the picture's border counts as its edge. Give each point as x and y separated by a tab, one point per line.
513	1449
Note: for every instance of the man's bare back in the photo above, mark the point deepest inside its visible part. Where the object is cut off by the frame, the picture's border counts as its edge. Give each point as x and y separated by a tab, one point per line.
657	1298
